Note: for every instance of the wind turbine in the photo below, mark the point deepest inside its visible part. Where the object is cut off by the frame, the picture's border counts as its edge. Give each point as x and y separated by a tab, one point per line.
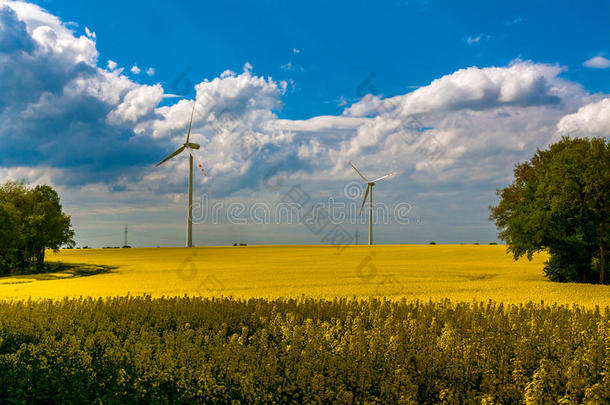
369	188
188	146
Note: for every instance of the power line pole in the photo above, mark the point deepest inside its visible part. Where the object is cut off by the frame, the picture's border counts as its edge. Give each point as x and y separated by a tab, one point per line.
125	242
356	237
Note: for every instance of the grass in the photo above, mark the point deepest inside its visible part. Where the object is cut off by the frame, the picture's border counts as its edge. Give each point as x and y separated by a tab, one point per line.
457	272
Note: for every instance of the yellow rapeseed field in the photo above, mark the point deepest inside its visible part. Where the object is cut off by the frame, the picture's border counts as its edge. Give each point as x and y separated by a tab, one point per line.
458	272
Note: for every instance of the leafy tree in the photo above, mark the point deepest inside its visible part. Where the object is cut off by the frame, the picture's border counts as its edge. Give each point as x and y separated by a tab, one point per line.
47	227
13	203
559	202
31	221
9	237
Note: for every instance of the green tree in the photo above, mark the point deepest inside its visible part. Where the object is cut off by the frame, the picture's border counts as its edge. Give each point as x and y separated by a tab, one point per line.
32	221
9	237
13	203
559	203
47	227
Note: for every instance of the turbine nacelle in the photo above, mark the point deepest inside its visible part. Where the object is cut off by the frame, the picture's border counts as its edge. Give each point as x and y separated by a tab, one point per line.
188	146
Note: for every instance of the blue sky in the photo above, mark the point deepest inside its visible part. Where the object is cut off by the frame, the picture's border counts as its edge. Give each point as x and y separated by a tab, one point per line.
405	43
312	85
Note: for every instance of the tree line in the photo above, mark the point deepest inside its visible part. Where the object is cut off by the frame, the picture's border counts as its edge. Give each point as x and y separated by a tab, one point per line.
31	221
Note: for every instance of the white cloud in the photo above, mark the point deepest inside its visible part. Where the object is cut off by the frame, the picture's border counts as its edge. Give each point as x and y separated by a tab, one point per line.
59	109
310	149
34	175
471	40
136	104
90	33
150	71
474	40
52	35
290	67
321	124
233	123
521	83
112	65
462	118
295	50
135	70
597	62
592	119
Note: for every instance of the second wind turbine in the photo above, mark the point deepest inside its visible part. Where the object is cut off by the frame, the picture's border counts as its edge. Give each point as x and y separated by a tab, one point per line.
188	146
369	189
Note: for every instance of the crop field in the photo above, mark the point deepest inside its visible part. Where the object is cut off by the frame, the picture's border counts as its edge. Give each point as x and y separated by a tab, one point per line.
219	350
458	272
302	324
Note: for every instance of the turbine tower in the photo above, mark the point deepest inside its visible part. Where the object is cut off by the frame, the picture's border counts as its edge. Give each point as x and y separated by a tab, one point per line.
189	147
369	189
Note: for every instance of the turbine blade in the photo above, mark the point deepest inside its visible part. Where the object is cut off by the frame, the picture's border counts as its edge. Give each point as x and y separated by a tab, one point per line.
358	171
366	194
180	149
383	177
188	135
196	159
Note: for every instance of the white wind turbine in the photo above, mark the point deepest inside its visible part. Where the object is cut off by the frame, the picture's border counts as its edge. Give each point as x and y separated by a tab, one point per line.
369	188
188	146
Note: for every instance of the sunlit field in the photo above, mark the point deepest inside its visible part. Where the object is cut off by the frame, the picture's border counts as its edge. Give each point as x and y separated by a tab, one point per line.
457	272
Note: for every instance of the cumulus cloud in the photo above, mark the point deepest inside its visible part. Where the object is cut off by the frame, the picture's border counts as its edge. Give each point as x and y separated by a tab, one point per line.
136	104
493	114
58	108
135	70
597	62
13	33
522	84
112	65
592	119
322	125
150	71
233	121
242	138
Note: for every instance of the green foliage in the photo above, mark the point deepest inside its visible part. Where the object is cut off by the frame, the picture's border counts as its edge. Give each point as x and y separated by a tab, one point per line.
194	350
559	202
31	221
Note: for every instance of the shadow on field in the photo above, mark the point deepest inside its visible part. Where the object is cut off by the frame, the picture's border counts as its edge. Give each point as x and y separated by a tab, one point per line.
58	271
